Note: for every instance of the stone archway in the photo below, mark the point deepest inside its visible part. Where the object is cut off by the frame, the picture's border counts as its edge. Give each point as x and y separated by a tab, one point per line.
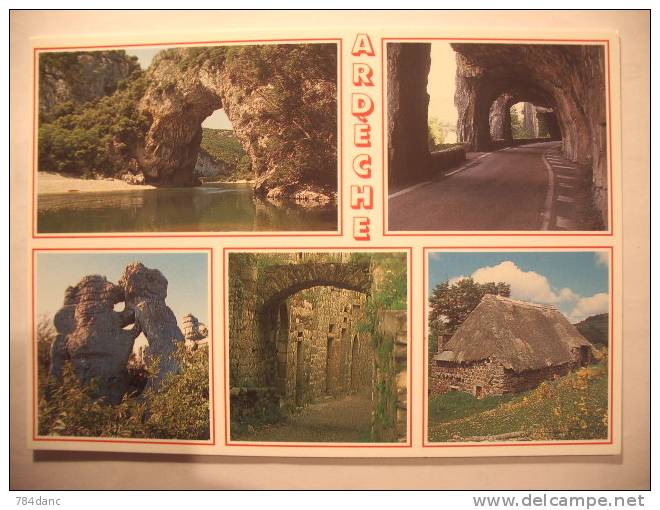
278	282
280	99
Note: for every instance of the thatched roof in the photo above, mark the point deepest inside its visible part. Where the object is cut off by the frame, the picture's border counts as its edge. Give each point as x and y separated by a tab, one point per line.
521	336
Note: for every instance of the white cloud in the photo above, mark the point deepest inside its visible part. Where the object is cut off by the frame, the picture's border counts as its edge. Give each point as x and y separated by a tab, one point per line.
456	279
525	285
602	258
586	306
435	255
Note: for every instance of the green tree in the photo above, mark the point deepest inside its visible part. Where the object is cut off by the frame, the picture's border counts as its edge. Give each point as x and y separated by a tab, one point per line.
450	304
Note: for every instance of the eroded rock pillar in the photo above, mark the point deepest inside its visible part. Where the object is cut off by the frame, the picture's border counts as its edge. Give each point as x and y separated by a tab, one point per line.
145	290
97	346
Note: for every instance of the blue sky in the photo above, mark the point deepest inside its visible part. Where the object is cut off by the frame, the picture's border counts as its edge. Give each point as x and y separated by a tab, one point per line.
576	282
186	273
217	120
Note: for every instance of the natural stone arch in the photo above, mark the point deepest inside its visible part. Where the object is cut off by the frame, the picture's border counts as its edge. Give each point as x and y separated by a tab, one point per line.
283	110
279	282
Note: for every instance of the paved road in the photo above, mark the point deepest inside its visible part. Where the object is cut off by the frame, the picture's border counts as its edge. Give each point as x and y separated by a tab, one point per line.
504	190
344	420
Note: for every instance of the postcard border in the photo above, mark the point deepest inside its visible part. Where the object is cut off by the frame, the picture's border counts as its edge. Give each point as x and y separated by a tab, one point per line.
229	234
323	249
611	361
34	409
514	233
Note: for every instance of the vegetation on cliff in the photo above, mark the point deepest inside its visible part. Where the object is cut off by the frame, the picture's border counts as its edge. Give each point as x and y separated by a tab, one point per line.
226	152
97	138
70	79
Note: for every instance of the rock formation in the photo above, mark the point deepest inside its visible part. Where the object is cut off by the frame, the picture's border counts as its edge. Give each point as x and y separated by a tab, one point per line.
281	100
194	332
92	335
95	340
80	76
569	79
145	291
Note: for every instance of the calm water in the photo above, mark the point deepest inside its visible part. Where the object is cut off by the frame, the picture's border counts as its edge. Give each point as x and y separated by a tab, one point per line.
211	208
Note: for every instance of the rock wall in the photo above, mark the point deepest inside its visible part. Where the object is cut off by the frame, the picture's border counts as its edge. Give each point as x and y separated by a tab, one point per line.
500	118
80	77
569	79
207	168
408	66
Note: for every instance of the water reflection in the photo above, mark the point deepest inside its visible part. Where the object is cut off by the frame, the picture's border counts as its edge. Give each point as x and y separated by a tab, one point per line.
211	208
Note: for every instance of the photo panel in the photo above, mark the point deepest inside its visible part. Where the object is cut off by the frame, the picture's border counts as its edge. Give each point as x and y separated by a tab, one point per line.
317	348
497	135
519	347
122	346
187	139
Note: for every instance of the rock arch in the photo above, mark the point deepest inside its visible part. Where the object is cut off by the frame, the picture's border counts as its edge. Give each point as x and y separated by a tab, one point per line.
280	99
279	282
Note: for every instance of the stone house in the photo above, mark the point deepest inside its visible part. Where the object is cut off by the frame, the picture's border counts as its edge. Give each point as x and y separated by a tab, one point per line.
508	346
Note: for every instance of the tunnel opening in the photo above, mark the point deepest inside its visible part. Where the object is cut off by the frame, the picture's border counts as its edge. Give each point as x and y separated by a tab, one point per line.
221	156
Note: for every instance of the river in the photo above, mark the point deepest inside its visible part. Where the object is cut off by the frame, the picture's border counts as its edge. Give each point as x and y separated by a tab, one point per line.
212	207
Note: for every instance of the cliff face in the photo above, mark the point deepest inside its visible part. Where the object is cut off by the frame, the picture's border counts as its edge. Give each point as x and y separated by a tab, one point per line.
80	77
207	168
280	99
569	79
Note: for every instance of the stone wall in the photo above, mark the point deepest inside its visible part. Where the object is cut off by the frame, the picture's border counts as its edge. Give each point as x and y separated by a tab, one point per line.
252	360
390	394
326	354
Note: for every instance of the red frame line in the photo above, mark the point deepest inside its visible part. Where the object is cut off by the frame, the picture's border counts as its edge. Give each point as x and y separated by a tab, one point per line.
533	233
122	235
35	409
439	249
409	428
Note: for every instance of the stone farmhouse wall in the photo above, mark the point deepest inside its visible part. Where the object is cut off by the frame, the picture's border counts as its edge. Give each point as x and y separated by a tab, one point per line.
489	377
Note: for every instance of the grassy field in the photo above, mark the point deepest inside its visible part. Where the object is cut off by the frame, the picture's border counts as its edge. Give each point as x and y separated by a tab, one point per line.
572	407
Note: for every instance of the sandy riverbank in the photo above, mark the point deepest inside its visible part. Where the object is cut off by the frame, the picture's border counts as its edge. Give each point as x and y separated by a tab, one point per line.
50	183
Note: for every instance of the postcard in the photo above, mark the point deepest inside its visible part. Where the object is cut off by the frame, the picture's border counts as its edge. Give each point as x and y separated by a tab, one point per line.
325	242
